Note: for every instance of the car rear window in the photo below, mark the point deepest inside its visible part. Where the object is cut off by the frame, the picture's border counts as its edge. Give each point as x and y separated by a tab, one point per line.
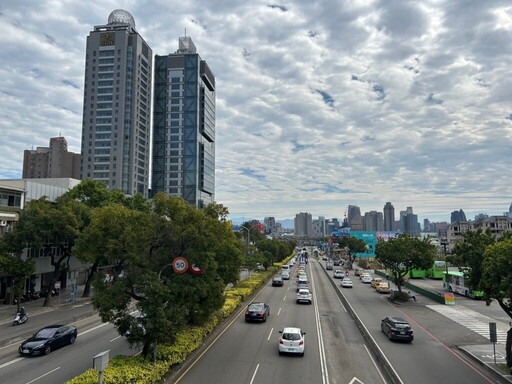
256	307
291	336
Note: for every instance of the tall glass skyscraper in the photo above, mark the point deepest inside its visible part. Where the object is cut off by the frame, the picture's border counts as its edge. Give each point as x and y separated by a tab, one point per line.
117	106
184	126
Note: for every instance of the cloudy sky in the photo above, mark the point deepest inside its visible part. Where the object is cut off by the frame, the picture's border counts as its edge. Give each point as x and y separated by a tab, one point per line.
320	104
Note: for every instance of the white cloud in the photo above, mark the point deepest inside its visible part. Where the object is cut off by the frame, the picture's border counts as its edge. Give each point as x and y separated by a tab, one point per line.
319	104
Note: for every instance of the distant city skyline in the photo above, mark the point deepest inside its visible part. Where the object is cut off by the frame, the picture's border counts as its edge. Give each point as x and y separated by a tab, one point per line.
319	105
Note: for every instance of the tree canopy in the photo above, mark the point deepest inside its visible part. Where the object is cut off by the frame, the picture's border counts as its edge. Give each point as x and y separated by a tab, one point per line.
353	247
403	253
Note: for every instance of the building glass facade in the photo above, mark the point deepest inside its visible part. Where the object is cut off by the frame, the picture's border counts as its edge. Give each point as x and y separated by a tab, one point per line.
184	126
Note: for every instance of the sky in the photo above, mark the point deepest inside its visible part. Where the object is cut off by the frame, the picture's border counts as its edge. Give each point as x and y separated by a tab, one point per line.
320	104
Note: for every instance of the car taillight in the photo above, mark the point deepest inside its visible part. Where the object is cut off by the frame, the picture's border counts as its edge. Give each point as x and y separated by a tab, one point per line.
301	342
281	341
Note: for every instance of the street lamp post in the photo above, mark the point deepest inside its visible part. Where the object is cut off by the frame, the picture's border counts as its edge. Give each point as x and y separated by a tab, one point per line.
444	243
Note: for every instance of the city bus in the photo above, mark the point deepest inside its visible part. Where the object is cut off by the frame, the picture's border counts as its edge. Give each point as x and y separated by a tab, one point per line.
454	282
437	270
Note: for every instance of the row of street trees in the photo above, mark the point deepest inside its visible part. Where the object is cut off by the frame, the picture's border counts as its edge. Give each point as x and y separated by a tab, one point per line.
136	240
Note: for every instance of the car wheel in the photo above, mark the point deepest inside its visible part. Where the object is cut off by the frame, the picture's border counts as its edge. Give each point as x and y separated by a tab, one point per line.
280	353
72	339
302	354
389	335
15	323
47	350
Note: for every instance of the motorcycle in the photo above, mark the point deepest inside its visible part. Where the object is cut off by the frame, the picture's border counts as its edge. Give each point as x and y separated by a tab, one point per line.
20	318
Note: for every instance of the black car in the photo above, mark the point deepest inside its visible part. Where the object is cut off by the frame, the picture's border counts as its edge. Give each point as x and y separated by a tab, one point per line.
257	312
277	281
47	339
397	328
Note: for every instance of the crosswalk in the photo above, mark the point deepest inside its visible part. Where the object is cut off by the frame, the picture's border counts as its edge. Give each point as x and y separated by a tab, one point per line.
472	320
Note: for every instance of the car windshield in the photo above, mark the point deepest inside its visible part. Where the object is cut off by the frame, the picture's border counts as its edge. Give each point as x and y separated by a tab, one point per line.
46	333
291	336
256	307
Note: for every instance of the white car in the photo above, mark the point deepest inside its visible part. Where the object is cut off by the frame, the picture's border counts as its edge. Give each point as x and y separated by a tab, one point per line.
285	275
291	341
304	296
367	279
346	283
338	274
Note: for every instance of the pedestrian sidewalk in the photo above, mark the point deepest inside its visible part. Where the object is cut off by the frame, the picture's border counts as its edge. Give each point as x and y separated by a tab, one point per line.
34	307
486	356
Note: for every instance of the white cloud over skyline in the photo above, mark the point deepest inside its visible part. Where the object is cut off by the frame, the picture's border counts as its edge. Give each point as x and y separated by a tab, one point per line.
319	104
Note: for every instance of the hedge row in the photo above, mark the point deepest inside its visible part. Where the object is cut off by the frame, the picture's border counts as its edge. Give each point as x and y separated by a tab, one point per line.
135	369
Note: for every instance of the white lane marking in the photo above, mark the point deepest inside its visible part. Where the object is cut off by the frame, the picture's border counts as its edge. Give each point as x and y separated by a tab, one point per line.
284	298
279	312
115	338
376	345
355	380
374	364
11	362
254	374
323	361
46	374
93	328
270	334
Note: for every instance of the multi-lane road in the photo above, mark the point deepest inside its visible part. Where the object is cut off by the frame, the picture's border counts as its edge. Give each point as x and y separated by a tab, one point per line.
336	351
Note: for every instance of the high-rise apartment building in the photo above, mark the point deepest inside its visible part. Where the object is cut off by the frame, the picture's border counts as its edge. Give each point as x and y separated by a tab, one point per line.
389	217
303	224
117	106
51	162
184	126
457	216
270	225
409	222
373	221
354	219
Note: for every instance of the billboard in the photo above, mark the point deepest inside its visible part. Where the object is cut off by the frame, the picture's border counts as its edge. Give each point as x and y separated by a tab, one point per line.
370	238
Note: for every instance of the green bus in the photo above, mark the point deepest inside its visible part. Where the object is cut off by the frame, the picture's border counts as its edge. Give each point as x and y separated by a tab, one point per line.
454	282
437	270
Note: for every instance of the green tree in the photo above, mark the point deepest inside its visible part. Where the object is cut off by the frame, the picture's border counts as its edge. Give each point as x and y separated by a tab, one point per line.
468	255
18	270
496	281
353	246
46	229
87	196
141	247
402	254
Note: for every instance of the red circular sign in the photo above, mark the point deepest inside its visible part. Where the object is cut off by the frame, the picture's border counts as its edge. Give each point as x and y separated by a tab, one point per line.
180	265
196	270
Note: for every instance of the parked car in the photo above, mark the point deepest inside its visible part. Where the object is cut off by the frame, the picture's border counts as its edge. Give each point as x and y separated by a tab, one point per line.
375	281
304	296
346	282
383	287
396	328
277	281
257	311
338	274
292	340
48	339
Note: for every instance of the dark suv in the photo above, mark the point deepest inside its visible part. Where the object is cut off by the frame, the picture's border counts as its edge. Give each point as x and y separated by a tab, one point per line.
397	328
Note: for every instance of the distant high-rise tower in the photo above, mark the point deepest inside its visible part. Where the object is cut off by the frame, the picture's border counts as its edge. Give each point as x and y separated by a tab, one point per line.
389	217
303	224
184	126
354	219
458	216
117	106
51	162
373	221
